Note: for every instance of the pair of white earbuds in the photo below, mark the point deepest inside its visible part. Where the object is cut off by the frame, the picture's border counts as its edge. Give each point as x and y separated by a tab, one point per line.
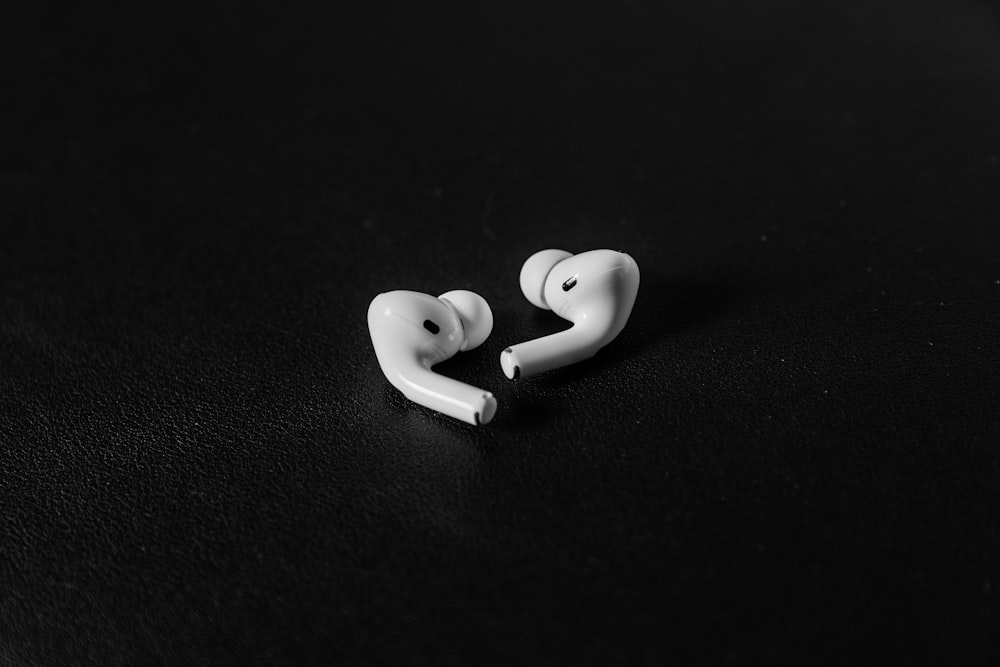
412	331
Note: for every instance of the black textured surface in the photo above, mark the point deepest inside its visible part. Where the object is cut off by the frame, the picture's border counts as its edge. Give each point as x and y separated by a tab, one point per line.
791	453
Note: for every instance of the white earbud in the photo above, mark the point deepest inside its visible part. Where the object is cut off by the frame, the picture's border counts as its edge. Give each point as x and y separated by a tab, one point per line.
412	331
594	290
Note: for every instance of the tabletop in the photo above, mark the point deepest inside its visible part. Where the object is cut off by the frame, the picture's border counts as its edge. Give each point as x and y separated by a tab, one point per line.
790	453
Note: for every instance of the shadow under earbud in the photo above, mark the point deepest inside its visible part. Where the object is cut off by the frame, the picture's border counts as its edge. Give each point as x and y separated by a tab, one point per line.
664	308
688	303
523	412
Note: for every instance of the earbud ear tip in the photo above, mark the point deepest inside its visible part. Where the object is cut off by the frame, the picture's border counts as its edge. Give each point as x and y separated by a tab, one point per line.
534	272
477	318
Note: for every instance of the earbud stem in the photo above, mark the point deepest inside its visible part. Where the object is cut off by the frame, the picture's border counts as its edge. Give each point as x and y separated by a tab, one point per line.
446	395
549	352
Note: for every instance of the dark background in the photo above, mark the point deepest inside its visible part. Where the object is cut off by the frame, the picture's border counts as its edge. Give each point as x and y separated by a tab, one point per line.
790	454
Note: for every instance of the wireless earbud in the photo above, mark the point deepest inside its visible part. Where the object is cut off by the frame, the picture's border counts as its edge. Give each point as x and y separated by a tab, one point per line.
594	290
412	331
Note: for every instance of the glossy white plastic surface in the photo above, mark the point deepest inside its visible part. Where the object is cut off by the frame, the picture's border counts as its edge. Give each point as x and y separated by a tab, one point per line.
402	326
594	290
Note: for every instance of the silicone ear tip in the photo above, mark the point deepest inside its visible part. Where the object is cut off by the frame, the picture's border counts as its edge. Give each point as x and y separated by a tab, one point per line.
534	272
477	318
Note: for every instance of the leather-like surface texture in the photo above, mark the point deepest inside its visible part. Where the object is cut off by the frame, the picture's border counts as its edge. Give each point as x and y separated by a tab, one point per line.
789	456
